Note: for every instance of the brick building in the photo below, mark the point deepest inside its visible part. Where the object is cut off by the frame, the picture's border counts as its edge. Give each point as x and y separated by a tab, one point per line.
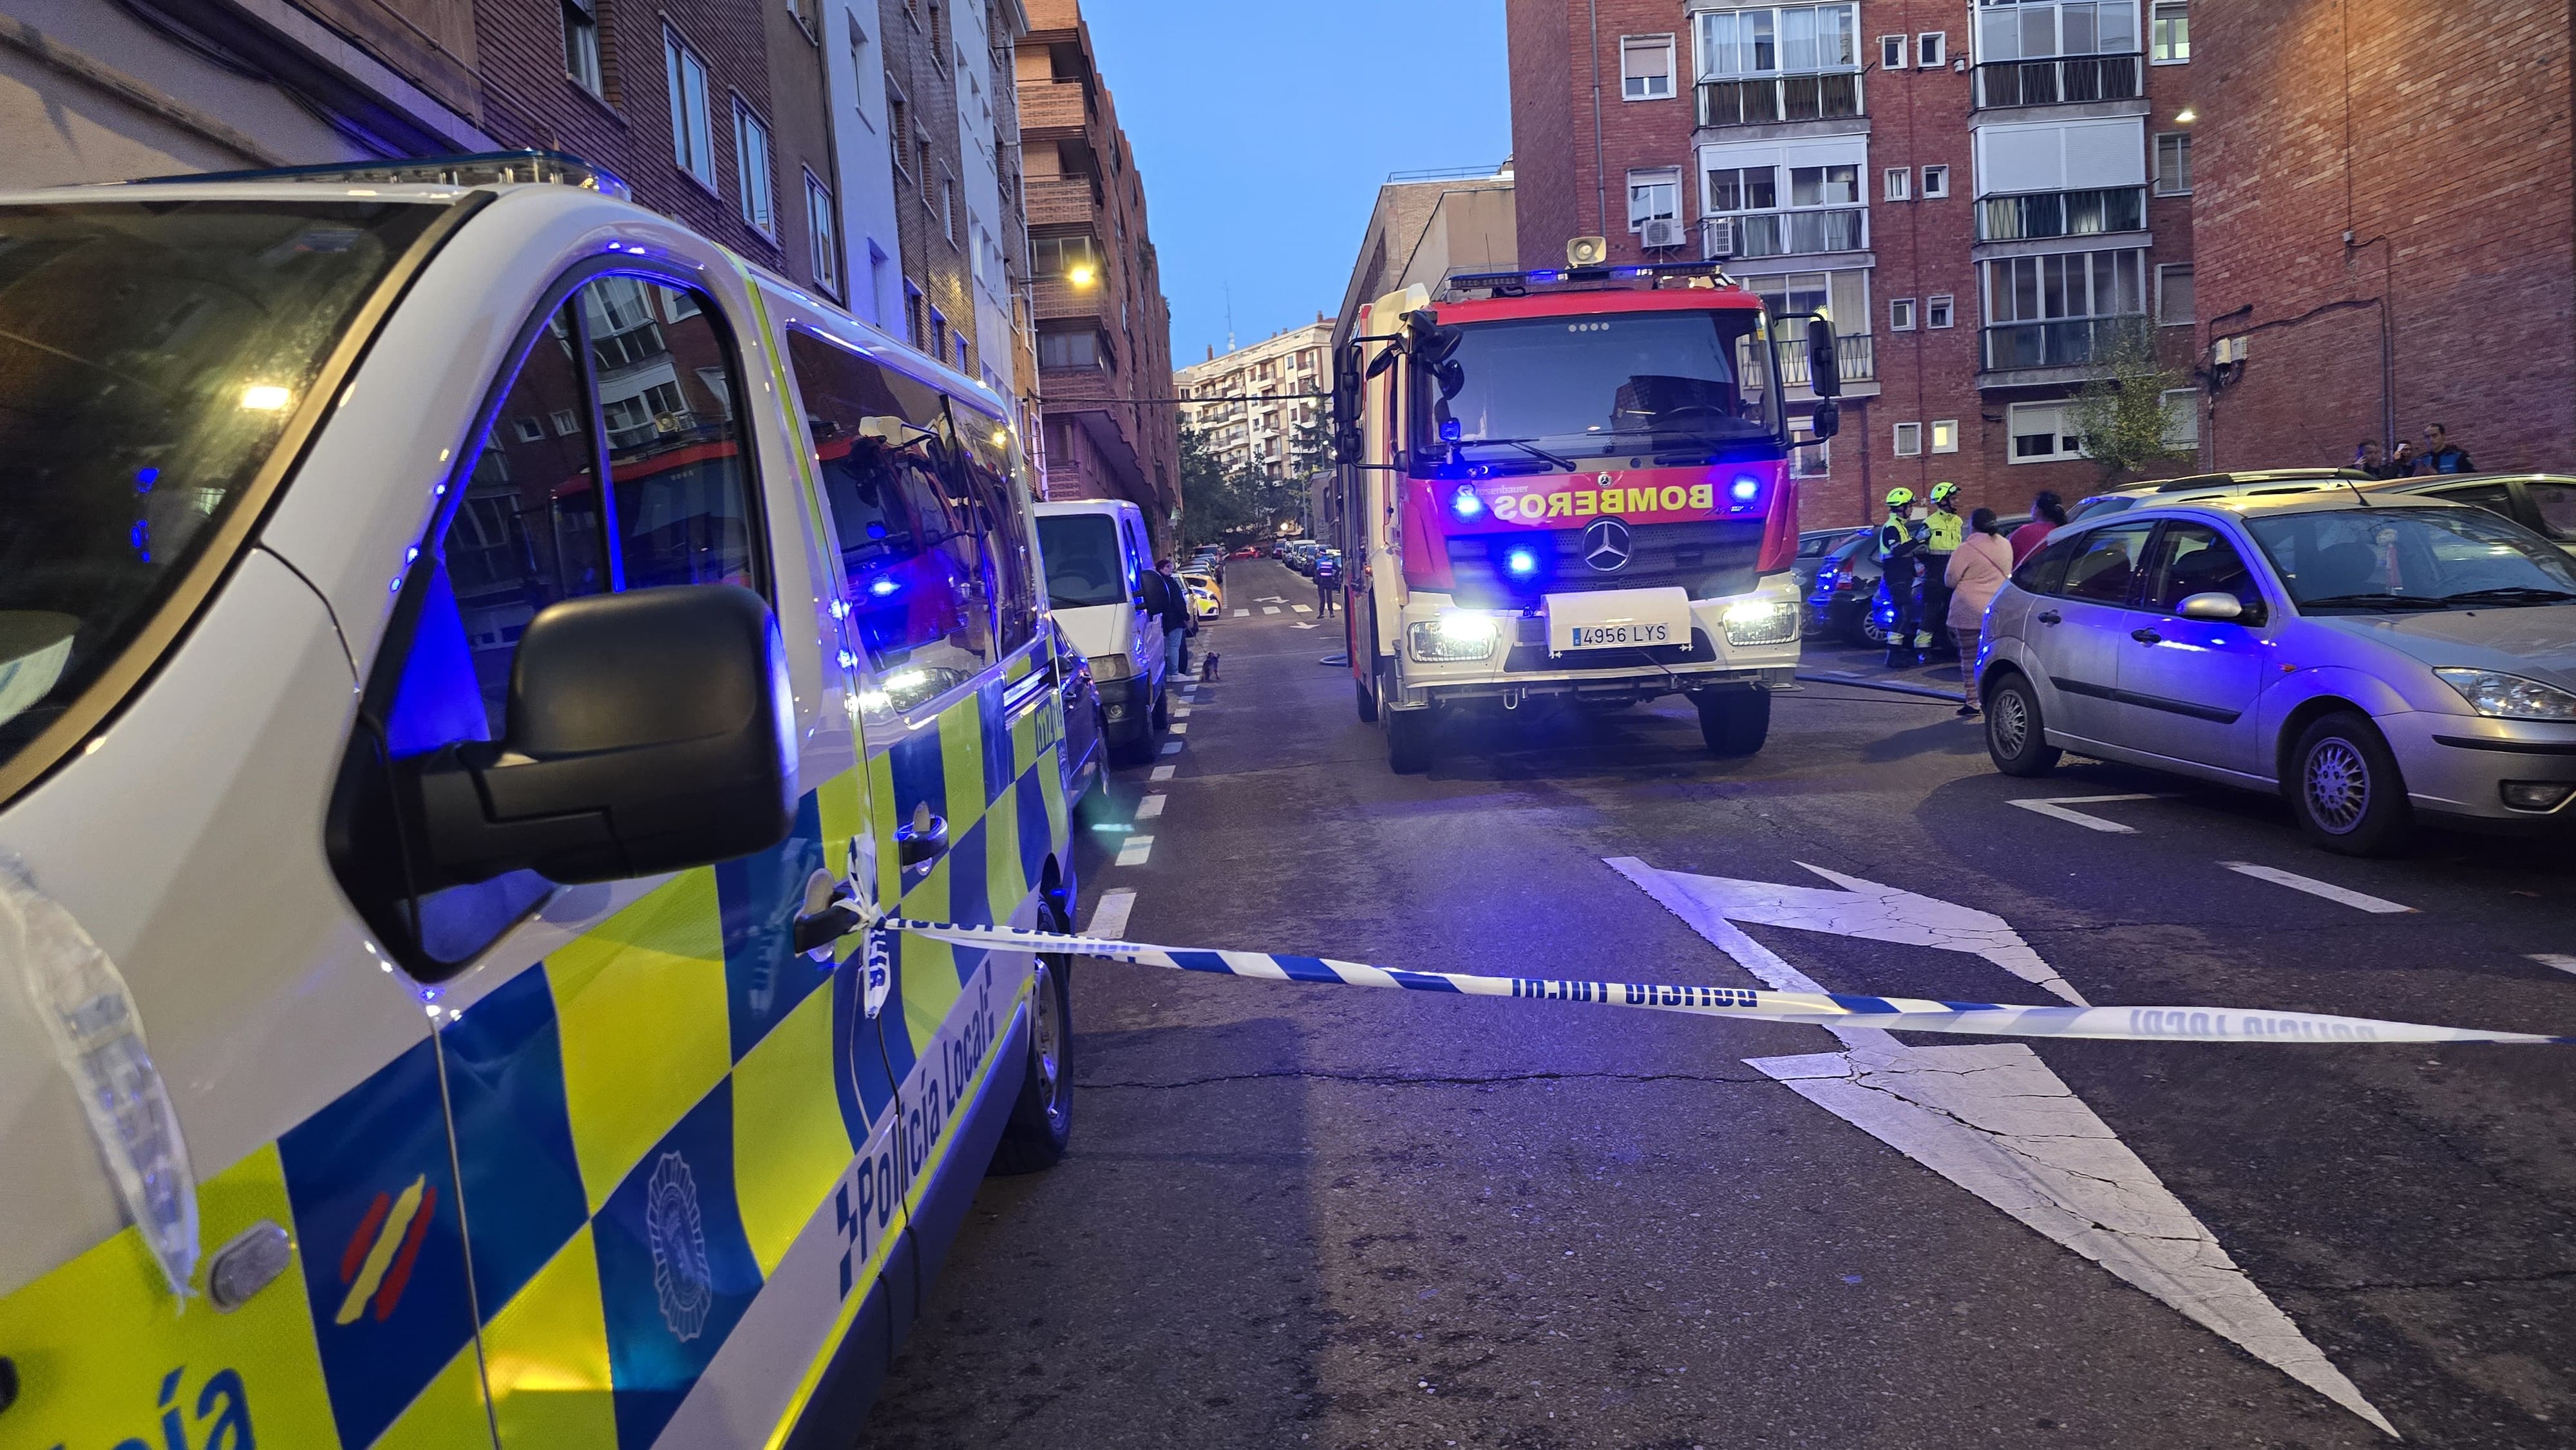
2387	224
1984	198
1104	330
1281	373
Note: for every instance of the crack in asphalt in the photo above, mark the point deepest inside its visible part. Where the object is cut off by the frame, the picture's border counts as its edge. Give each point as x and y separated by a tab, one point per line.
1404	1080
2549	1277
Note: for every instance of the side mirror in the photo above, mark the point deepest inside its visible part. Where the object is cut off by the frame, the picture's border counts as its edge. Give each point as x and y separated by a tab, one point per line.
2212	605
1154	592
1828	420
1385	359
648	732
1824	366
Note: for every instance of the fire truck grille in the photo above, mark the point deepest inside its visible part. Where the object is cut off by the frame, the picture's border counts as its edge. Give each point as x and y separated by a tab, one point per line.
1711	559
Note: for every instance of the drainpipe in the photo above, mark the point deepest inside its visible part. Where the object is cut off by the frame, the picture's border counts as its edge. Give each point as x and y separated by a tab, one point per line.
1600	176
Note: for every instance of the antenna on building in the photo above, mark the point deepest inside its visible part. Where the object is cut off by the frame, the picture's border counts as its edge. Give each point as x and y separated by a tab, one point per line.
1229	317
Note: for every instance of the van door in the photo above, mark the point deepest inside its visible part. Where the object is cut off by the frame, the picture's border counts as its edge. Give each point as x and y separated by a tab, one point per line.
1149	624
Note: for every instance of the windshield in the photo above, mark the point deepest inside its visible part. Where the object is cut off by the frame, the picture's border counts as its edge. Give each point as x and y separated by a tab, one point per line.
2364	560
150	358
1597	385
1083	566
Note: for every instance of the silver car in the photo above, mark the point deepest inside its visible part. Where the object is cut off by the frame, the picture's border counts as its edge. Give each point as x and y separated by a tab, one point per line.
2369	659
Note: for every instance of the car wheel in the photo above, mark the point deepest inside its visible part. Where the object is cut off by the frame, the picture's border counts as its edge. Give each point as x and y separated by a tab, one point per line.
1408	741
1867	629
2345	788
1734	722
2016	737
1041	1123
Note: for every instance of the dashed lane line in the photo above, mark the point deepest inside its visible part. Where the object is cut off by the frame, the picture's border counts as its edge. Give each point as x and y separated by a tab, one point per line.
1150	807
1242	613
1270	609
1135	851
1163	772
2055	808
1172	747
1303	608
1179	727
1109	917
2327	889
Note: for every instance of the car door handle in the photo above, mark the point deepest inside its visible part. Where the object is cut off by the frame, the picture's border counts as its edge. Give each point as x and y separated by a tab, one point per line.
923	841
2050	617
2146	636
830	914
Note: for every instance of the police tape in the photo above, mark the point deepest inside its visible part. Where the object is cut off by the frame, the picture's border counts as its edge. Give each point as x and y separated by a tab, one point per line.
1813	1009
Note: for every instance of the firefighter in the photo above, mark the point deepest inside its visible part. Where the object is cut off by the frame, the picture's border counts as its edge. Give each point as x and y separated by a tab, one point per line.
1900	545
1942	533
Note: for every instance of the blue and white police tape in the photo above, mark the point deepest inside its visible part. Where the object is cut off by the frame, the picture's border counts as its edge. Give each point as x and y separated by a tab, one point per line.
1816	1009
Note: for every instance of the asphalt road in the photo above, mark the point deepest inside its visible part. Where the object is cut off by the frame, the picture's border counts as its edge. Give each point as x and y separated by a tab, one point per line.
1314	1215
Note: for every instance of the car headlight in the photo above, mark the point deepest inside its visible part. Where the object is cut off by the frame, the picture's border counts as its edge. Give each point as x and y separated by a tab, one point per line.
2510	697
1458	635
1111	667
1761	621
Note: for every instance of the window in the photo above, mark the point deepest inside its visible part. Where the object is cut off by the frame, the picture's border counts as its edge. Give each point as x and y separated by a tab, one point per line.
1909	440
682	509
1891	52
1785	63
2556	505
1653	196
1945	435
1937	310
565	421
692	136
2169	33
2182	417
2062	309
2039	433
581	45
1900	183
2173	163
1900	314
822	233
1936	182
1841	298
2104	568
752	170
1931	49
2173	295
1075	258
916	326
1646	67
859	67
1069	350
898	129
938	335
529	430
2044	29
2197	559
1809	456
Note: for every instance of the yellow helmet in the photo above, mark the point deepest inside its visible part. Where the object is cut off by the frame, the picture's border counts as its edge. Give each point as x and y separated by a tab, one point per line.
1900	498
1944	491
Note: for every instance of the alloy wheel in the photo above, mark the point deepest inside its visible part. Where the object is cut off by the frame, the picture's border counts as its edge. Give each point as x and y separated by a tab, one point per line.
1046	1041
2009	718
2338	785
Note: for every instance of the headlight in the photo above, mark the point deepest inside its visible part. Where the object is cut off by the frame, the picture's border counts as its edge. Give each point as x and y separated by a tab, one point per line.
2510	697
1762	621
1455	636
1111	667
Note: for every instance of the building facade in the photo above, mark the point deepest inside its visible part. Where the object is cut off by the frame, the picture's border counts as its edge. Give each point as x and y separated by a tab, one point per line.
1986	198
1260	395
1104	330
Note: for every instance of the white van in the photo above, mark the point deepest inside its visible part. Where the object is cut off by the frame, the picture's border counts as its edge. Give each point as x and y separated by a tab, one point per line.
1108	600
468	648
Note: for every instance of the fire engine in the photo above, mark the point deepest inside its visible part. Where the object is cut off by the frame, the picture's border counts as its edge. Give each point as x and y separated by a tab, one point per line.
1570	486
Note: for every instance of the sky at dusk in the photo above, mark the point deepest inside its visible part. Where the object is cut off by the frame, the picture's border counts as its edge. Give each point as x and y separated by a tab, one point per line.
1264	131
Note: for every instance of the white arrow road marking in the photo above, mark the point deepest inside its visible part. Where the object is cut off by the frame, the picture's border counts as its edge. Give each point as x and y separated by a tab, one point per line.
1109	918
2314	887
1308	625
1271	599
1878	913
1997	1122
2056	807
2553	959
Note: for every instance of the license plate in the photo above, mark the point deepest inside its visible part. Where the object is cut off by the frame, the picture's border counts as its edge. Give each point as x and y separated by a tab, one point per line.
1613	636
1618	619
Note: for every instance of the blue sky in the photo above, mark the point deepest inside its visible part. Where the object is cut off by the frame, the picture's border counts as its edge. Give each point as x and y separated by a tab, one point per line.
1261	150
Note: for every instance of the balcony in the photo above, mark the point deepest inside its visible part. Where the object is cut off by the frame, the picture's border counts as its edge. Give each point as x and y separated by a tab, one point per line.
1856	356
2072	79
1062	200
2073	342
1779	98
1058	106
1785	233
2062	214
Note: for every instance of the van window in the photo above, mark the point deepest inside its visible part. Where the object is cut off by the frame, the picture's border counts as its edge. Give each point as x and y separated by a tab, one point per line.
919	582
1084	565
666	386
1002	518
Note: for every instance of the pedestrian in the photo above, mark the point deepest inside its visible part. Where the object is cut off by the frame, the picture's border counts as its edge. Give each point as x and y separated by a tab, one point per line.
2440	454
1978	569
1943	532
1900	543
1176	622
2401	463
2047	513
2366	459
1328	581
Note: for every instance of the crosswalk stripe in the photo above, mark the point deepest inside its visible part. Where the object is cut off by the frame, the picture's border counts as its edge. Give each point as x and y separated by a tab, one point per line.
1303	608
1270	609
1109	918
1163	772
1241	613
1136	850
1150	807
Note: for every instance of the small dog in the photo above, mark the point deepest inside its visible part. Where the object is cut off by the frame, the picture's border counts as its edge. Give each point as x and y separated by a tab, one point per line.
1207	666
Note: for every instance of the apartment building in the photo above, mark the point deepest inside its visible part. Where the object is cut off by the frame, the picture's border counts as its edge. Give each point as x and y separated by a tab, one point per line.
1260	395
1104	330
1984	197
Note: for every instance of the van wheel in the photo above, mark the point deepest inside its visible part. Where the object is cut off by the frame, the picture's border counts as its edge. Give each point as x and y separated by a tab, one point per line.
2344	787
1408	741
1041	1124
1734	722
2016	739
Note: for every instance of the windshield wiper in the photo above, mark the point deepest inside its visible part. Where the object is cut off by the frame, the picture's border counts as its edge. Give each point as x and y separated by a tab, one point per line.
2376	601
2510	594
1525	445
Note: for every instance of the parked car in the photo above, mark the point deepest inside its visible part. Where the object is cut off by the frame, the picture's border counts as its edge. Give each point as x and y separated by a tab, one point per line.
1206	600
1246	552
2371	662
1841	604
2211	485
1813	546
1301	555
1106	594
2542	502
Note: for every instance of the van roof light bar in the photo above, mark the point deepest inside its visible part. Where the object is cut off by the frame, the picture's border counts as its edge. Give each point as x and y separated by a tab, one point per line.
1576	279
487	168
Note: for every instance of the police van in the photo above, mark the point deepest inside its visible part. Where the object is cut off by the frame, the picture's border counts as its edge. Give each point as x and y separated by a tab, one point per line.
473	654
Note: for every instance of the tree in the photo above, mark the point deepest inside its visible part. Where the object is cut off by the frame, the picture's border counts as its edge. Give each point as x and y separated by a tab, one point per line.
1216	498
1310	452
2121	413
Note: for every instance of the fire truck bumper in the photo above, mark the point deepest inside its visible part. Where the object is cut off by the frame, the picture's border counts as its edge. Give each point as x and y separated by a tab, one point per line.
1455	656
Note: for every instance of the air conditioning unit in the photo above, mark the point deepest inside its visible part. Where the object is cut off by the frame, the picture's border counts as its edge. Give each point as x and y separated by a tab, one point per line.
1721	239
1663	232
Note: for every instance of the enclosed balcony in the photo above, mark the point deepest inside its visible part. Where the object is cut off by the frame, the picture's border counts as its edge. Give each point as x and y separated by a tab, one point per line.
1785	233
2062	214
2066	80
1779	98
1856	356
2060	343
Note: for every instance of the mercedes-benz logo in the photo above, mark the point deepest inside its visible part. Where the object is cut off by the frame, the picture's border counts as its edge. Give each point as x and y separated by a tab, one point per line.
1605	545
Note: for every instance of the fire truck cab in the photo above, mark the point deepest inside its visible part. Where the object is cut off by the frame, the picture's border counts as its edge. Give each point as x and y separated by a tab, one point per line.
1570	485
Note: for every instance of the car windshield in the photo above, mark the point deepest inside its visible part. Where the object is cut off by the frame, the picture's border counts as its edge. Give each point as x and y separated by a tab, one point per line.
1537	393
151	356
2364	560
1083	566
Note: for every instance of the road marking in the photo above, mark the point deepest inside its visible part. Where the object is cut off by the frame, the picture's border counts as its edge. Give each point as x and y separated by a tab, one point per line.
1148	808
1179	727
1135	851
1163	772
1303	608
1181	712
1270	609
1997	1122
2314	887
1171	747
1241	613
1310	624
1109	918
2056	808
2553	959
